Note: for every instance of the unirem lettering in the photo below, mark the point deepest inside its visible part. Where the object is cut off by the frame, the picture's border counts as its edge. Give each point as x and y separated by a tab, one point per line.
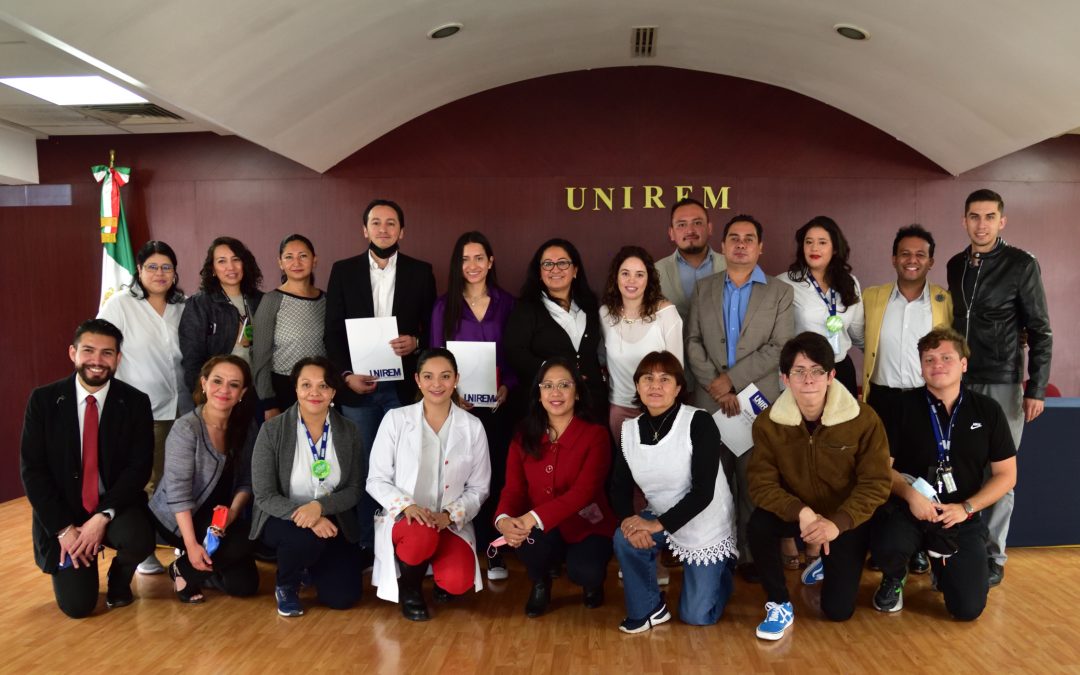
386	372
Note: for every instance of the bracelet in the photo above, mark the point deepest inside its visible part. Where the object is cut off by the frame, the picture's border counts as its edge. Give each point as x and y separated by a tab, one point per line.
63	533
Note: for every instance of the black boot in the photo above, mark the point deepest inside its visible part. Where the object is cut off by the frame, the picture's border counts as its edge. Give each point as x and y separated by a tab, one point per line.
410	593
539	598
594	597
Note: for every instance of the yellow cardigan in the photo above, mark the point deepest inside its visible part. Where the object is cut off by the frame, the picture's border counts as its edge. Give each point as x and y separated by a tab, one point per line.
874	301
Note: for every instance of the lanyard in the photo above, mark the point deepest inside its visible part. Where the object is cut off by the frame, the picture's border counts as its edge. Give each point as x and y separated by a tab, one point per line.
319	455
830	302
944	437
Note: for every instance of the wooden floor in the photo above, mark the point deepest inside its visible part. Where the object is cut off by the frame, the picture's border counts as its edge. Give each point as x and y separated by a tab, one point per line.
1029	626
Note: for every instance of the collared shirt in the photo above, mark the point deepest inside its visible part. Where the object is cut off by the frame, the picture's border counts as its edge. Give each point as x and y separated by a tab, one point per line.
427	492
81	394
572	321
382	285
303	486
152	360
897	363
736	300
690	275
811	313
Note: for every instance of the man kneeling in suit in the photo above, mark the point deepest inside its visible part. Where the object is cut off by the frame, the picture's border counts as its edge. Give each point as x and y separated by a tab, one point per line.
86	454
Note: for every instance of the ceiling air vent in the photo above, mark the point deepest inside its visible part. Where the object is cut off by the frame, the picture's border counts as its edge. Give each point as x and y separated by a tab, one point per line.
129	113
643	42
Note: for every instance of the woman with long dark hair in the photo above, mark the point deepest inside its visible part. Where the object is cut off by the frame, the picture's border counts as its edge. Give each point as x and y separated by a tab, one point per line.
475	309
557	315
636	320
219	318
554	508
208	465
148	314
289	323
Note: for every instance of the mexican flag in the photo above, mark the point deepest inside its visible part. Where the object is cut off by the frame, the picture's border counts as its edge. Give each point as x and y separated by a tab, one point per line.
117	261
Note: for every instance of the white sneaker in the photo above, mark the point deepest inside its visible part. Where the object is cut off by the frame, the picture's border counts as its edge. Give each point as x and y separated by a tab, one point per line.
663	577
151	565
497	572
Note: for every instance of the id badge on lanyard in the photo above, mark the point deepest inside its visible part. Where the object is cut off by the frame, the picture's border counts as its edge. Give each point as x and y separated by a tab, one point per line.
834	325
943	473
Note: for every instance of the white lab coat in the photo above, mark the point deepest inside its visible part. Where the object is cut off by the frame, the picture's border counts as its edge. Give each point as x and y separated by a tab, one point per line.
392	473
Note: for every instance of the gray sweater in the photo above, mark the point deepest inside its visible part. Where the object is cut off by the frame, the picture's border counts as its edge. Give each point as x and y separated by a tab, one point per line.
193	468
272	463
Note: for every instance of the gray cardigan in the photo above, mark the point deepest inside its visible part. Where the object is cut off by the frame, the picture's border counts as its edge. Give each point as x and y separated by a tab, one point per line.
272	463
193	468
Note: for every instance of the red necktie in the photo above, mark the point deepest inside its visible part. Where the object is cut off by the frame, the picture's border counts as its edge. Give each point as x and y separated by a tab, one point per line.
90	456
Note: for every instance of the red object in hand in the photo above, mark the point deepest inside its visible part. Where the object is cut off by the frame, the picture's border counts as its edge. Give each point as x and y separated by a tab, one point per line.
221	516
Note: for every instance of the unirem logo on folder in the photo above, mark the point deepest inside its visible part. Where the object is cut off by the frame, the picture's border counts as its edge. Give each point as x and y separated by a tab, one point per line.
758	402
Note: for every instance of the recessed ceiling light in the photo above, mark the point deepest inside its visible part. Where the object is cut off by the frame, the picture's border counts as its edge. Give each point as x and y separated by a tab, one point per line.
444	31
851	32
76	90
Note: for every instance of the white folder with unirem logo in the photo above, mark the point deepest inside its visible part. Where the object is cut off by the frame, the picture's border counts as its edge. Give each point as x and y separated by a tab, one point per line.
479	377
735	431
370	350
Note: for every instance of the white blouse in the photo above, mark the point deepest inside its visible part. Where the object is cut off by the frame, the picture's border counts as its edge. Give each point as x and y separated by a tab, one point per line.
303	486
627	343
150	354
811	313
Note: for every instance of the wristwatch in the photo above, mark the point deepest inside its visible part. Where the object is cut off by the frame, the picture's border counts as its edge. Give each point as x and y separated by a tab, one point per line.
969	510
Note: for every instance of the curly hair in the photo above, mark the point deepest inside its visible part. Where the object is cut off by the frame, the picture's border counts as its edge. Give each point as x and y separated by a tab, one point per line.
252	279
650	302
838	272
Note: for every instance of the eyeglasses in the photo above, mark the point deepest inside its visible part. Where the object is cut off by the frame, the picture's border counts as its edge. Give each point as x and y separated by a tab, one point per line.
802	374
561	263
154	268
561	385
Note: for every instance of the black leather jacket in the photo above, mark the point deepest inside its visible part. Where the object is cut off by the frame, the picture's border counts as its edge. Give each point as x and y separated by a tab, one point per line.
1008	298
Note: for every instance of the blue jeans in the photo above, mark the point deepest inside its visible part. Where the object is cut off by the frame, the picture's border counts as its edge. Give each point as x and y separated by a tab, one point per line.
705	590
367	418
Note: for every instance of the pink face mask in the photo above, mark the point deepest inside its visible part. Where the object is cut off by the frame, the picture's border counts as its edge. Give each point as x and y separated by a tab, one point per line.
493	547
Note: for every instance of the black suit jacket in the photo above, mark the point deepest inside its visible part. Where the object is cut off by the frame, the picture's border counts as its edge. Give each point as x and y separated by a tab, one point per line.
51	459
348	296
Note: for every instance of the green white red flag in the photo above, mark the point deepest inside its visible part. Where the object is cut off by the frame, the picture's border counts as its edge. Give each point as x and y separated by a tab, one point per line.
117	260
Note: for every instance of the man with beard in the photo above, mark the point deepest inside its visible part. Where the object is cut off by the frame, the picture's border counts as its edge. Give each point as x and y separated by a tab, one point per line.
693	258
86	454
380	282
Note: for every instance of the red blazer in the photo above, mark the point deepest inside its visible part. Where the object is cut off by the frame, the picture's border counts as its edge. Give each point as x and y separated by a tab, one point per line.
568	477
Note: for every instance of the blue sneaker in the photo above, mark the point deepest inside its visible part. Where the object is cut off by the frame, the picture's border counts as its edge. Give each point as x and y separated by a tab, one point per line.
288	601
814	572
778	616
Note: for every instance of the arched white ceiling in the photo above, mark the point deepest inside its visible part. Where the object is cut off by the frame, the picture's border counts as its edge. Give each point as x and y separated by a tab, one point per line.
961	81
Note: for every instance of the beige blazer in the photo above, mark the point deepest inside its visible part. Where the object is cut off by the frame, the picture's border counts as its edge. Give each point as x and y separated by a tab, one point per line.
769	323
668	270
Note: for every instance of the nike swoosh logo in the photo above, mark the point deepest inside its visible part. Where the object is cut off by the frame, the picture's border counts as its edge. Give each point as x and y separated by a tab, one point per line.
976	425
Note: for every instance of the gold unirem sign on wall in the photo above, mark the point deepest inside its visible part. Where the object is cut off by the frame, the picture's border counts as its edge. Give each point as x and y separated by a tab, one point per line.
628	197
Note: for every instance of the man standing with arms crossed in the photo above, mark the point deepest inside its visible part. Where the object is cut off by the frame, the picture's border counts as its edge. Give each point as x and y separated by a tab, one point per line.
998	294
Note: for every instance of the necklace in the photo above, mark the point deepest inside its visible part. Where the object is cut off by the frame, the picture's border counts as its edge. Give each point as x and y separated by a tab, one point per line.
656	430
473	302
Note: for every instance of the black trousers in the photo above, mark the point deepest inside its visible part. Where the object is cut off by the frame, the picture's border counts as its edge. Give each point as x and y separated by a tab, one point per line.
131	534
843	565
885	401
284	392
586	560
234	560
498	427
963	578
333	564
845	373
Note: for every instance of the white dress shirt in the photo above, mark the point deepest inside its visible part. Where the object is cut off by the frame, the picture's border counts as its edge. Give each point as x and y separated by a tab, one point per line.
811	312
432	459
382	285
81	394
151	351
897	364
303	486
572	321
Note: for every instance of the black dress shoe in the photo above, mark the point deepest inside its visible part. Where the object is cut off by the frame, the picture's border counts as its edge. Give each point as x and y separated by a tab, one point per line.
748	571
539	598
121	596
594	597
919	563
997	573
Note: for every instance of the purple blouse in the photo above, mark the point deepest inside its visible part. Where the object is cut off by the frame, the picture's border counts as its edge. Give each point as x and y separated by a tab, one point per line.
471	330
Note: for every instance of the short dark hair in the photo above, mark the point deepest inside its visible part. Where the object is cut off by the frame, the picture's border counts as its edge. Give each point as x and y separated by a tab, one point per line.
385	202
687	201
665	362
913	230
288	240
153	247
811	345
744	218
98	327
984	195
330	373
934	338
249	284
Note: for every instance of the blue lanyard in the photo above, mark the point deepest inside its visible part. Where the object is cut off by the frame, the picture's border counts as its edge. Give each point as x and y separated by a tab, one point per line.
830	302
321	453
943	437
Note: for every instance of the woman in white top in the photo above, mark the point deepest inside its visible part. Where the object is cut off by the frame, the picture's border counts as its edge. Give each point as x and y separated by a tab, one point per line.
828	301
148	314
635	319
430	470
